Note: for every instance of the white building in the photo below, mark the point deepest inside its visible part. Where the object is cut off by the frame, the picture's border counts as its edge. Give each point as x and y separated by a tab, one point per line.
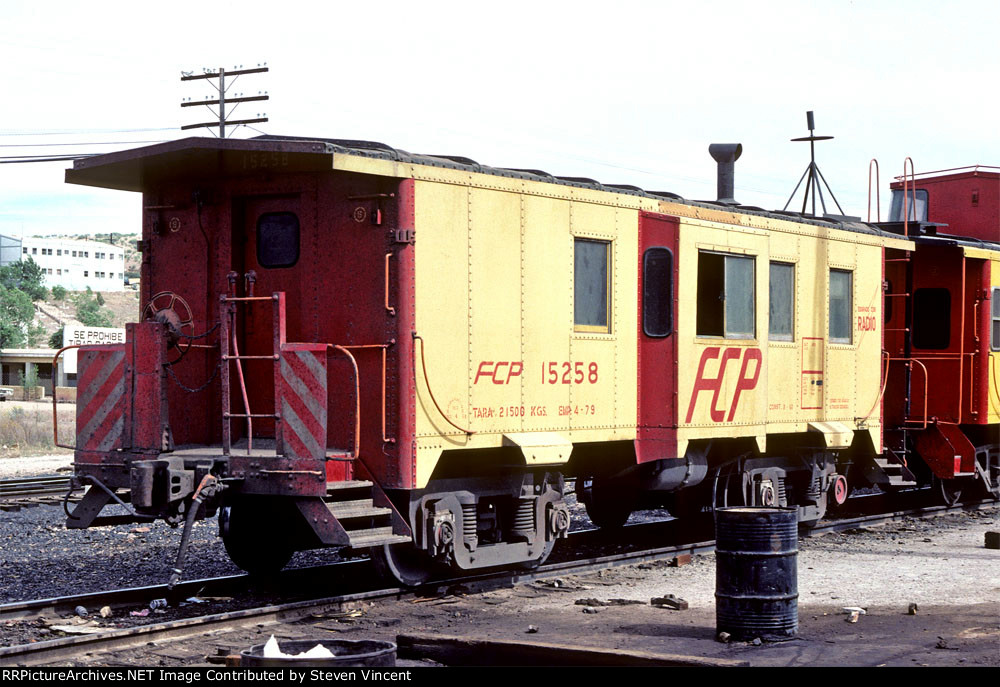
75	264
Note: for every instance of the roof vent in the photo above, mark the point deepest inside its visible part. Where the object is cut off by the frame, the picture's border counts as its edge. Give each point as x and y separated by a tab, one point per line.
726	154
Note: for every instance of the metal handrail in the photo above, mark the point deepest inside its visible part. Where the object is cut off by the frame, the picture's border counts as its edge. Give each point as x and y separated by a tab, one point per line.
55	408
906	209
910	361
878	200
971	168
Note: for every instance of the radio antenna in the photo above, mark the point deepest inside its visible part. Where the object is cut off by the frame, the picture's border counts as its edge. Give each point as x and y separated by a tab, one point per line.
812	175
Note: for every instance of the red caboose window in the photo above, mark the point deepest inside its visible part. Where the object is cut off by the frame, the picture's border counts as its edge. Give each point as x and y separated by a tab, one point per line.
277	239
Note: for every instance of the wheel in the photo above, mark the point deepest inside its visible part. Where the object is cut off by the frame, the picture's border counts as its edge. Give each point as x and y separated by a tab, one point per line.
537	562
403	563
254	542
608	506
686	504
839	492
161	309
950	490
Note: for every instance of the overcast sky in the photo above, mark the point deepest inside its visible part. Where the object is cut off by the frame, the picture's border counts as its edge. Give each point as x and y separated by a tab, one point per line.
626	92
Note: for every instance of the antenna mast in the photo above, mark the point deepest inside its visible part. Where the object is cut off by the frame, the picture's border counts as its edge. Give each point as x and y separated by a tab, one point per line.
812	175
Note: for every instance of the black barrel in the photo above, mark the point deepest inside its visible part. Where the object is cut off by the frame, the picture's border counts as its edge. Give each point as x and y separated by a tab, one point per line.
756	572
347	653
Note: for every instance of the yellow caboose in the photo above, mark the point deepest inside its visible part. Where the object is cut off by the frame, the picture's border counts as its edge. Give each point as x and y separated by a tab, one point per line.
411	353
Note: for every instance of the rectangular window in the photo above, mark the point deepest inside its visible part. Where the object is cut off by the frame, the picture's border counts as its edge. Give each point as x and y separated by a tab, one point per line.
932	319
916	205
841	296
657	292
996	319
726	297
277	239
781	302
591	285
58	251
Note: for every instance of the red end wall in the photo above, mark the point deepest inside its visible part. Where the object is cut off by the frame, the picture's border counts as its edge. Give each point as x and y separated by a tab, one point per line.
969	203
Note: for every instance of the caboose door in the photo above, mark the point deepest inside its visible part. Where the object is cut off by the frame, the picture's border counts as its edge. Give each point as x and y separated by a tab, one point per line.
268	233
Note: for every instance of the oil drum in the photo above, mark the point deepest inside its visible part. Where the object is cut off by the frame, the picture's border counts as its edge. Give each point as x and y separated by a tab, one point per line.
756	572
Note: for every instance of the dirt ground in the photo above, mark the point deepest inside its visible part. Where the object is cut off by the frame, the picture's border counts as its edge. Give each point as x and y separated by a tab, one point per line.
941	565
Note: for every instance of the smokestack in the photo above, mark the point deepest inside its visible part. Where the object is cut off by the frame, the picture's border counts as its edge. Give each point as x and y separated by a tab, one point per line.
726	154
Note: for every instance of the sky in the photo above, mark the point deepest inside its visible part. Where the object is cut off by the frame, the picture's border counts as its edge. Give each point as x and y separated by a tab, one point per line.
625	93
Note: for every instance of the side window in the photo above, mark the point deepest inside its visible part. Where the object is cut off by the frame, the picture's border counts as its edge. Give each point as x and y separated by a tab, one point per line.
932	319
277	239
726	296
841	296
996	320
781	302
916	205
657	292
591	285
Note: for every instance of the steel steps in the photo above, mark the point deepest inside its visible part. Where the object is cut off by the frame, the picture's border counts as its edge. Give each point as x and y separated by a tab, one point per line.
367	525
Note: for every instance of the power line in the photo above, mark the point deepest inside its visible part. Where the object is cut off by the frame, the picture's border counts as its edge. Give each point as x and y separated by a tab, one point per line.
42	158
86	143
73	132
222	101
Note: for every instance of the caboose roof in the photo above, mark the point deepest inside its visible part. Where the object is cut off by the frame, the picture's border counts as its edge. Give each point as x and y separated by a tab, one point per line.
194	159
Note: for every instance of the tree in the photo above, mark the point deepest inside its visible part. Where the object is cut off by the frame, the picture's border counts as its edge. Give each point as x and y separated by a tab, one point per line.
26	276
56	340
16	315
58	292
90	312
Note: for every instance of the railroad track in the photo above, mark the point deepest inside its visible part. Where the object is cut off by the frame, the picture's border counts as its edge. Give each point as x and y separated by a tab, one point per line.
355	575
27	491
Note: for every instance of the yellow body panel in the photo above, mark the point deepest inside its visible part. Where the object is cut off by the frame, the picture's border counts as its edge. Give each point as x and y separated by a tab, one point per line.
494	261
494	304
802	381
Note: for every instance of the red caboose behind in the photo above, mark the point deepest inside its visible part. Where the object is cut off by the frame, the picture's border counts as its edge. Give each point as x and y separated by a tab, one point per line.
942	334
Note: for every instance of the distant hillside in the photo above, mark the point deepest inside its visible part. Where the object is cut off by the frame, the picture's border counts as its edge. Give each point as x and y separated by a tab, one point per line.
52	314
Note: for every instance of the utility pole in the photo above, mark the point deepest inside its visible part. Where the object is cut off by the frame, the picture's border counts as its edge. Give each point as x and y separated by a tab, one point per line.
222	101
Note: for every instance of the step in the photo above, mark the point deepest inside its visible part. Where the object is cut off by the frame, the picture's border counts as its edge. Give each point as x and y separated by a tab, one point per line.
349	503
347	485
344	511
376	536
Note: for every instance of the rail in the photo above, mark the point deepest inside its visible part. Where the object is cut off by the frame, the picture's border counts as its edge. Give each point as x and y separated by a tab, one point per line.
906	197
344	348
227	318
878	201
909	362
967	168
55	408
881	393
963	372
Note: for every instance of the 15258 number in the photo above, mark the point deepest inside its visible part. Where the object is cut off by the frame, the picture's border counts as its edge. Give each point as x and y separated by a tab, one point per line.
554	372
